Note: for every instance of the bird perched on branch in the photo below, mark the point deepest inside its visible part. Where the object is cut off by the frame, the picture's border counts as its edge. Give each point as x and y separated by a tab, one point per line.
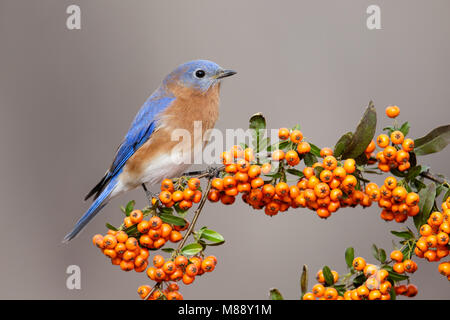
188	94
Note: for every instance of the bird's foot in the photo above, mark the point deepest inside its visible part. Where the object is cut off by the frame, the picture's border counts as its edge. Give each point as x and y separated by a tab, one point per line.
213	172
150	195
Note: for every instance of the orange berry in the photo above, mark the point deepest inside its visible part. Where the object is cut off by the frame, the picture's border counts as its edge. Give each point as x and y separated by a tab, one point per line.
308	296
243	165
136	216
408	145
296	136
208	265
278	155
194	183
248	154
185	204
303	147
392	111
143	226
282	189
155	222
322	190
330	293
266	168
371	147
375	295
175	236
397	137
109	241
383	140
397	255
350	165
254	171
283	133
359	263
217	183
326	152
318	290
167	185
370	270
292	157
144	291
411	291
390	153
98	240
236	151
177	196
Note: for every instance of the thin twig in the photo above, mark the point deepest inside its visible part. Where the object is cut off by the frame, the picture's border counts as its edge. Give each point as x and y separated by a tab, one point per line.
433	178
196	214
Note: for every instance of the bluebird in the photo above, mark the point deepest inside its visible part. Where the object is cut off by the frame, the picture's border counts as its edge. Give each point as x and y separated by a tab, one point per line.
189	93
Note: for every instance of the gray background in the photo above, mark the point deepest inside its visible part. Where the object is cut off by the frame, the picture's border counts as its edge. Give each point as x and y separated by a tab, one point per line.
67	98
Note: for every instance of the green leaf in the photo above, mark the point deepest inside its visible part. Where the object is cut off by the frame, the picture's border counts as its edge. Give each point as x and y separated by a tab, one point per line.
394	276
375	252
382	255
168	250
363	134
393	294
304	279
191	249
212	236
341	146
405	128
310	159
403	234
359	280
274	294
414	172
295	172
179	211
257	125
257	122
129	207
171	219
280	145
434	141
315	150
318	170
122	208
427	196
349	256
328	275
447	194
166	210
111	227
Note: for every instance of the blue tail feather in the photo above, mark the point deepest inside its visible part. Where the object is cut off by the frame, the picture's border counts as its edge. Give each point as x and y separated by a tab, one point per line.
96	206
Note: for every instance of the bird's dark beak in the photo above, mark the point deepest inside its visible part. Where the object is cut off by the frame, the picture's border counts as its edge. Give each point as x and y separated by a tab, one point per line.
225	73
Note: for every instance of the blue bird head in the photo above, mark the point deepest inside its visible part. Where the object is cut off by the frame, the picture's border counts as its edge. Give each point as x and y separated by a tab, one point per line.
198	75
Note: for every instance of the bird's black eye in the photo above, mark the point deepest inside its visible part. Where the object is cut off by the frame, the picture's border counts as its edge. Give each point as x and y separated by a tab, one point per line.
200	73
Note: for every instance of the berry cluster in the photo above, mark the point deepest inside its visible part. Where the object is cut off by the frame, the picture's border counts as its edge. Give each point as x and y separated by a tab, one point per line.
123	250
397	203
370	282
153	233
324	187
184	195
375	286
176	269
434	240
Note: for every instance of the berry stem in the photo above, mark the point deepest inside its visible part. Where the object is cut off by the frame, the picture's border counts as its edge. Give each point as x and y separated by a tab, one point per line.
196	213
434	178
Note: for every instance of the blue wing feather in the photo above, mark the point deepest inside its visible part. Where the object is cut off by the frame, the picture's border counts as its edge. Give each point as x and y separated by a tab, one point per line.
140	131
